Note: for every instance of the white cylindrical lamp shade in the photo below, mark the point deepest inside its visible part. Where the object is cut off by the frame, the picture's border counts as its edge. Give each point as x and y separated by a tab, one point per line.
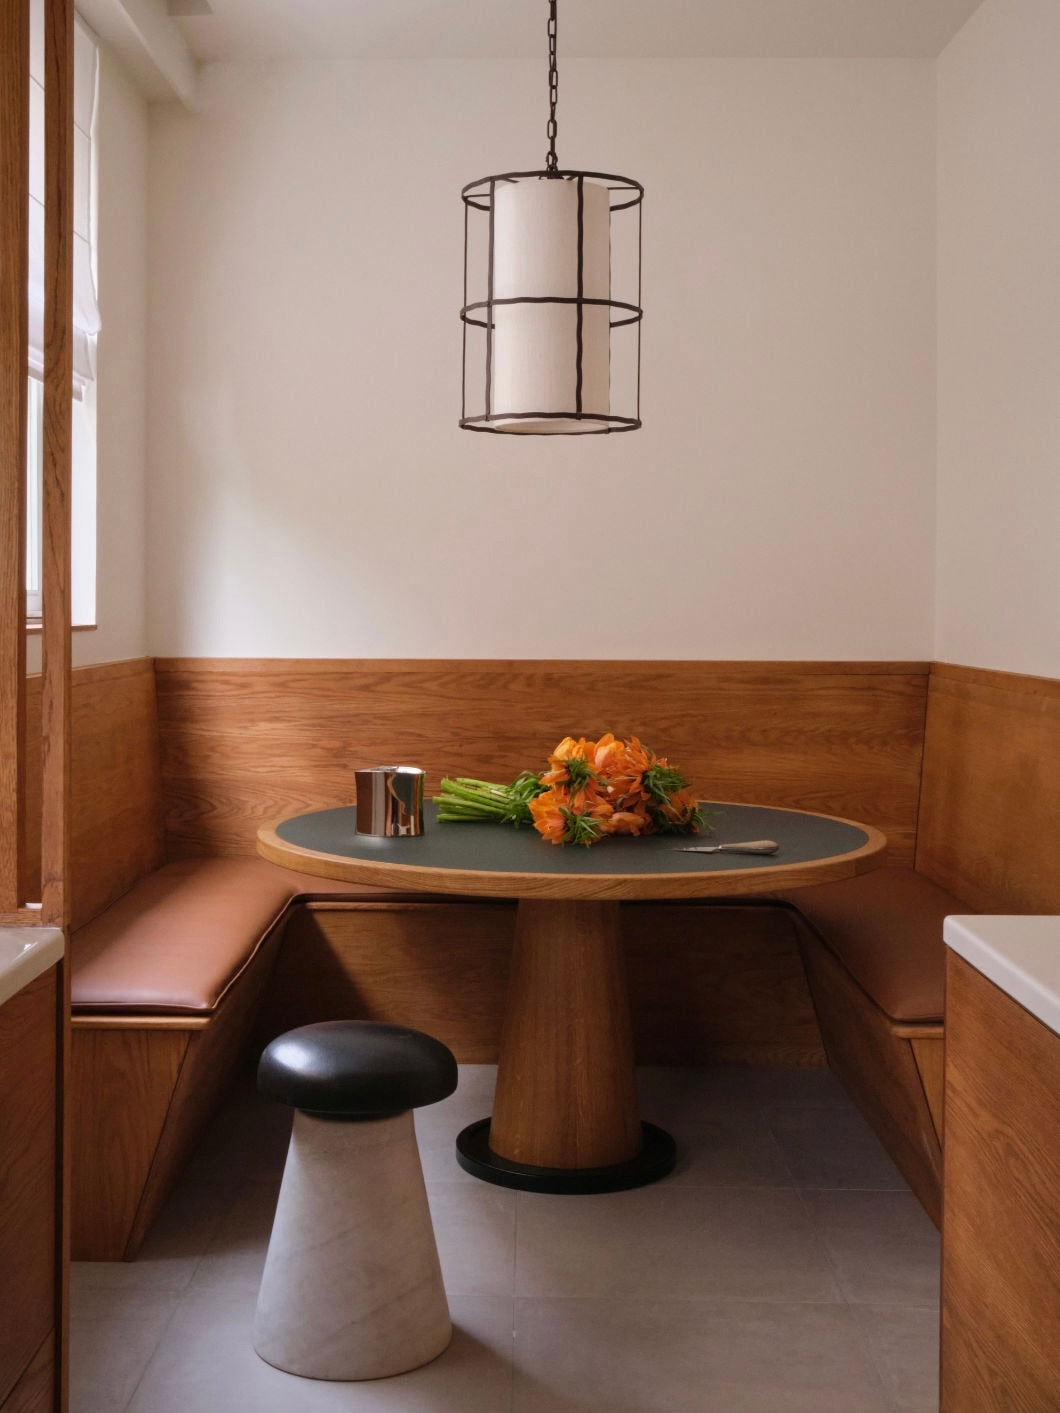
534	356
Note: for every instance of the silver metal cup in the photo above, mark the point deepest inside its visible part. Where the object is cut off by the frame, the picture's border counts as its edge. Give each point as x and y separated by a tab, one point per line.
390	800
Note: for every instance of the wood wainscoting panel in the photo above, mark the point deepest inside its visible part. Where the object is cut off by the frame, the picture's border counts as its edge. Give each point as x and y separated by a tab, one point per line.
708	982
116	816
929	1052
437	967
877	1066
35	1390
991	792
1001	1230
248	742
716	983
28	1186
142	1090
121	1087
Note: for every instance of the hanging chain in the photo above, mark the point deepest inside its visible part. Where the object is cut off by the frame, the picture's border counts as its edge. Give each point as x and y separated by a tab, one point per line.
553	89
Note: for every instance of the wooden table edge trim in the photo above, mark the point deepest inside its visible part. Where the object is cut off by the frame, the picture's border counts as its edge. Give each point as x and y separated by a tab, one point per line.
603	887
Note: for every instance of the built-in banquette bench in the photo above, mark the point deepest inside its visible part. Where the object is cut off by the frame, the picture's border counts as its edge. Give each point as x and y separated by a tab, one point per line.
173	962
987	841
167	983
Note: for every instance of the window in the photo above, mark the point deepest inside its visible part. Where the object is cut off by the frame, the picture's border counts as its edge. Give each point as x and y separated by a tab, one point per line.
86	320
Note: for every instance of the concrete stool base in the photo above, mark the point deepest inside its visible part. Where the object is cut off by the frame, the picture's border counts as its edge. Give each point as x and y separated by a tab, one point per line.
352	1287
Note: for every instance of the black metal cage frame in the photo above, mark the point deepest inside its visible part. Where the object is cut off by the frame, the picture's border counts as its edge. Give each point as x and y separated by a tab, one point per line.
625	194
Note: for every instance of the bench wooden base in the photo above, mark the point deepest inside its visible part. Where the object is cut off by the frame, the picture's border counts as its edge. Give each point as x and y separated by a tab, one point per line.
141	1091
893	1071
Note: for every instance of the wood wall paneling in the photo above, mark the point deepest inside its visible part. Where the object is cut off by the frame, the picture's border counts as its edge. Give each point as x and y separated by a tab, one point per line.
28	1186
990	801
121	1086
115	818
441	968
718	983
35	1390
709	983
248	742
929	1054
1001	1232
879	1070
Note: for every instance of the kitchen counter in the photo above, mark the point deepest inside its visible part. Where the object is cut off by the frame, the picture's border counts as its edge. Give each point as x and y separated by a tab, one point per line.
1001	1192
1020	955
25	954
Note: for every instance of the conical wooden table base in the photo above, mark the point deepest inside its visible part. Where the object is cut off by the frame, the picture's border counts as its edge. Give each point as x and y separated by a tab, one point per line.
565	1113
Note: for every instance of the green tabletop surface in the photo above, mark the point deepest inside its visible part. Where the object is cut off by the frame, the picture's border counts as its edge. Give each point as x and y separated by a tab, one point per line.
498	848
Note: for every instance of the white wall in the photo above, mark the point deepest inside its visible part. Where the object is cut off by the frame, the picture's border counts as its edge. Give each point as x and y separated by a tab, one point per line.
999	340
310	493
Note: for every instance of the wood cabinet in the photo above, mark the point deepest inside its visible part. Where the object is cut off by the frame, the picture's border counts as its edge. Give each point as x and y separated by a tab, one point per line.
28	1194
1001	1209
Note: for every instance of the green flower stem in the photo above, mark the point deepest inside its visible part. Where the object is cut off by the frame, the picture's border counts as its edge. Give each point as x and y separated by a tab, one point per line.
466	799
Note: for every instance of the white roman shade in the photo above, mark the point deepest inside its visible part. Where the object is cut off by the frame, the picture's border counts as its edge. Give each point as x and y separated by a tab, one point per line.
86	311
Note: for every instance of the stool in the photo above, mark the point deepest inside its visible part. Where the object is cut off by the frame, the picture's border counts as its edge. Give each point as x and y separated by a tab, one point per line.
352	1288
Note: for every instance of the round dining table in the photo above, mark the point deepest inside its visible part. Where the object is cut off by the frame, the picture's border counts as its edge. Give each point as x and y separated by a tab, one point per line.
565	1115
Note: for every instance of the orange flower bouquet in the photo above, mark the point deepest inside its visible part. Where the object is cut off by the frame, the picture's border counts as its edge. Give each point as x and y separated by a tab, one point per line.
590	791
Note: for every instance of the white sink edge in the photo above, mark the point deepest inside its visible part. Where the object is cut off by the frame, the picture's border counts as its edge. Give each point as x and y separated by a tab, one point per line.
25	954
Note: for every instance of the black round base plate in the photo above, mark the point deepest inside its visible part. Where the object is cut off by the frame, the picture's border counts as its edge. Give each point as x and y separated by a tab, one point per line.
656	1158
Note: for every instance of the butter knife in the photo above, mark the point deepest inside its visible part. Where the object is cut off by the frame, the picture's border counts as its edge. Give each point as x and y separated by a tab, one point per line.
753	846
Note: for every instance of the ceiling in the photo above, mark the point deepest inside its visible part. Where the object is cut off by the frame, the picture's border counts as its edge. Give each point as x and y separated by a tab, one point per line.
217	29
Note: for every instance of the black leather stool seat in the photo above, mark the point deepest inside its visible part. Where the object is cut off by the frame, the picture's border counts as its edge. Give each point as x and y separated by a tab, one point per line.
356	1069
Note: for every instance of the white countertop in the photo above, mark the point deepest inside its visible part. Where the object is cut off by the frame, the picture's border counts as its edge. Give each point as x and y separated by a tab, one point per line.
1021	955
25	954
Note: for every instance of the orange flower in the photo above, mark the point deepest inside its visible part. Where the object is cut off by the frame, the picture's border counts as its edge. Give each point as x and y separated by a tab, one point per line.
549	819
610	786
620	766
680	808
568	749
592	802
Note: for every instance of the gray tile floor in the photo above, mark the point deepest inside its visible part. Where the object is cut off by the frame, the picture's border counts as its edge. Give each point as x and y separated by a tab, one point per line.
784	1268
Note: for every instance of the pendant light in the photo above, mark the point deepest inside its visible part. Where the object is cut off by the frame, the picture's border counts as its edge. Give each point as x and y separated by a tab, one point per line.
545	329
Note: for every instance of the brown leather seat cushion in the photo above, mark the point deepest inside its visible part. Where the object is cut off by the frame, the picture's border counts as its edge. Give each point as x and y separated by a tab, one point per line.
886	929
178	939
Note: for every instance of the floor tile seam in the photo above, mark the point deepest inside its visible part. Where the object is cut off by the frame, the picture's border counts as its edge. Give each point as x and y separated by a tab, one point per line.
848	1187
517	1205
684	1182
875	1360
720	1301
881	1191
735	1300
679	1182
932	1306
818	1230
185	1290
154	1352
511	1356
829	1187
789	1167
